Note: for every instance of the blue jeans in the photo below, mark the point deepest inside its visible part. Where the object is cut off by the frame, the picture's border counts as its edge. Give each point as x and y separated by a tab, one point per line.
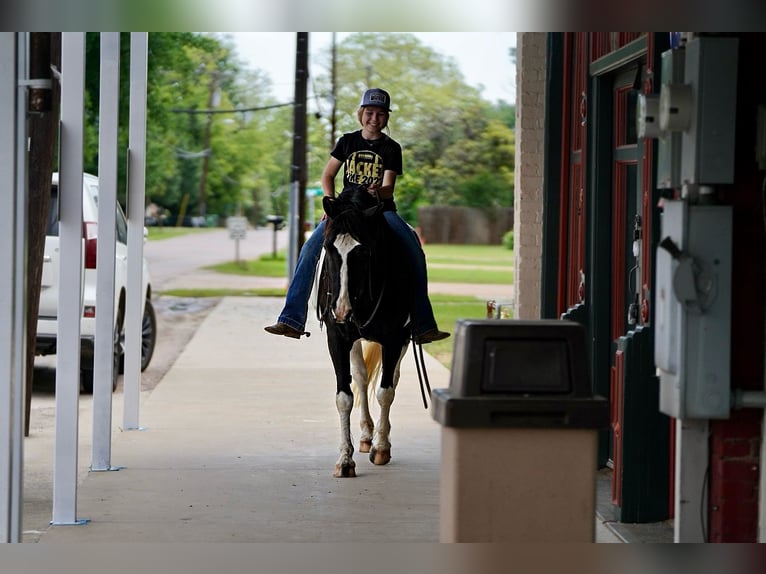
296	301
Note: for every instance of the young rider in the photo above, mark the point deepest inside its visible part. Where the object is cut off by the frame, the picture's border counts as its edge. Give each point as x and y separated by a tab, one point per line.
372	159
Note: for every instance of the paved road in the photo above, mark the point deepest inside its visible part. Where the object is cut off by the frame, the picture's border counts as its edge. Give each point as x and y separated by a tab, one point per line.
170	260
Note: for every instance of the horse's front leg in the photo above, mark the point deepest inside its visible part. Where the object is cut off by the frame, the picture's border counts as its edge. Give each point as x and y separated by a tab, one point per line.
345	467
381	448
361	379
344	401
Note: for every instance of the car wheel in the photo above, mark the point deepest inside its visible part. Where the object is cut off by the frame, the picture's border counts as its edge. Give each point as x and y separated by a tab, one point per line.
86	381
148	334
148	337
119	349
86	371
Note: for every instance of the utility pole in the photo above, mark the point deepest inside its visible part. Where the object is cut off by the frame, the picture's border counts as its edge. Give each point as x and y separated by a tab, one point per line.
298	168
211	102
44	104
334	91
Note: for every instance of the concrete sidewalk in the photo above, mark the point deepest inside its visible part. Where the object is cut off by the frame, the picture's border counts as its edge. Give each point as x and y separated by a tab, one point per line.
238	444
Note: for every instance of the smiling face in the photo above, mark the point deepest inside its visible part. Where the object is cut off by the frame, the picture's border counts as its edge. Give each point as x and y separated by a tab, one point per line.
373	120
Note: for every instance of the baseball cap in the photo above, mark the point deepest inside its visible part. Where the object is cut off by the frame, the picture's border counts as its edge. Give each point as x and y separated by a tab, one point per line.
376	97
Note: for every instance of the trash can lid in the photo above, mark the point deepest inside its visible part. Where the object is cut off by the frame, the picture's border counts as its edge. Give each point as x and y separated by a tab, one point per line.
516	357
523	411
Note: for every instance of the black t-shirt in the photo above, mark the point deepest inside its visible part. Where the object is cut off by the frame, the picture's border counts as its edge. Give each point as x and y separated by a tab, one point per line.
365	161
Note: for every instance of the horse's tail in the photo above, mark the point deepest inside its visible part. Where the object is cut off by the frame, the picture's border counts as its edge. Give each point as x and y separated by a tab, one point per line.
373	360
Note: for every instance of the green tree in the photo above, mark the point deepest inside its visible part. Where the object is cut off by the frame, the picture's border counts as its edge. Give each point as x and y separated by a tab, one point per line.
458	148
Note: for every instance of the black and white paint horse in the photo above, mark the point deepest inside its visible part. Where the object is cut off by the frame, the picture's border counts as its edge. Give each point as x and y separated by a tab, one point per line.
364	293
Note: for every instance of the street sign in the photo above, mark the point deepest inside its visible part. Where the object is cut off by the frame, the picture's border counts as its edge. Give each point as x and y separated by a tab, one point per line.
237	227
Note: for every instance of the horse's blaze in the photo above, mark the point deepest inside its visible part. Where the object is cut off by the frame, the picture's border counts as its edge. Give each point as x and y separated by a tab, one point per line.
344	243
344	471
365	445
380	456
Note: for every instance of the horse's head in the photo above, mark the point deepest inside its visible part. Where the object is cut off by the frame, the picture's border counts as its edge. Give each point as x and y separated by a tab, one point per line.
355	204
352	237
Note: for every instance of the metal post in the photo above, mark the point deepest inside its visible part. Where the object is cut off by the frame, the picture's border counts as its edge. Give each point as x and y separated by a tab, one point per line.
19	274
13	66
692	457
70	285
134	311
103	367
293	222
7	256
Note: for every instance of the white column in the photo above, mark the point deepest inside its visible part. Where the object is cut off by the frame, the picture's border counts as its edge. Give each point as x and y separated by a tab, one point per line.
13	67
103	371
139	52
70	272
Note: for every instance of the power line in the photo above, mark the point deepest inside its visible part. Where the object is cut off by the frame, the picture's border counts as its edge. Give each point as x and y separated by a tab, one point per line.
231	111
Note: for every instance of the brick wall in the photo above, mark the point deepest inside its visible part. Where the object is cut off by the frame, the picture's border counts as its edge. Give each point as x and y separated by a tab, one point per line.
734	462
528	205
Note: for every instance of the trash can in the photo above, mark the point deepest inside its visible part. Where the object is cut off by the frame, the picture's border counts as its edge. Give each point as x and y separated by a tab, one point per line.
519	434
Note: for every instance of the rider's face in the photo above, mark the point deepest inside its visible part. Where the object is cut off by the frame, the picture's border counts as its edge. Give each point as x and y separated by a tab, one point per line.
374	118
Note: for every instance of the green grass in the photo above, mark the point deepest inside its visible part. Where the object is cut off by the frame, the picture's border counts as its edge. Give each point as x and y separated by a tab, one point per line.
469	274
157	233
487	264
447	310
265	266
469	254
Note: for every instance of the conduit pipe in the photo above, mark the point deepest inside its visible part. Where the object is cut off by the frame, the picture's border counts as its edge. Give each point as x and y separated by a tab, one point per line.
748	399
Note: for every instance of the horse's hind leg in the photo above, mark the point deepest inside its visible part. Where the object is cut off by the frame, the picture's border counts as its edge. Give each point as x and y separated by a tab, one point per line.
381	448
360	377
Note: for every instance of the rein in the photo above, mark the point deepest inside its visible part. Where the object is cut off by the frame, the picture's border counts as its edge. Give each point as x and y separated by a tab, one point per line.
417	352
375	310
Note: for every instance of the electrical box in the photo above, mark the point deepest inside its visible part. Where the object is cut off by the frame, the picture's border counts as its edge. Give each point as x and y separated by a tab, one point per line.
693	310
669	143
708	145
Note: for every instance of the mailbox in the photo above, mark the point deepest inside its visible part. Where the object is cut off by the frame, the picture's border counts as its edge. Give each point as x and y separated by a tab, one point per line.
519	434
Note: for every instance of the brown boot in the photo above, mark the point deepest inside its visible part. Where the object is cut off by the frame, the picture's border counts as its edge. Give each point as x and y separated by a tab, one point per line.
286	330
430	336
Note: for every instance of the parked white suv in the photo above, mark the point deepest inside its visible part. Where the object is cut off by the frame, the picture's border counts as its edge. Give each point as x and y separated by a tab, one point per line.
49	293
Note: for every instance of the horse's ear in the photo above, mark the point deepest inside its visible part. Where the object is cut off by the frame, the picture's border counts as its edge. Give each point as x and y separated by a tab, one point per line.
329	206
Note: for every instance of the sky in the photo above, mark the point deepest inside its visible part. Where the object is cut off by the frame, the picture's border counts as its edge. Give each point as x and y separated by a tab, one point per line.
481	56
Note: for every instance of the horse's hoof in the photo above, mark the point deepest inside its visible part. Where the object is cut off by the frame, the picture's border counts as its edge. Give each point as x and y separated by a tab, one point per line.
380	456
365	445
346	471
